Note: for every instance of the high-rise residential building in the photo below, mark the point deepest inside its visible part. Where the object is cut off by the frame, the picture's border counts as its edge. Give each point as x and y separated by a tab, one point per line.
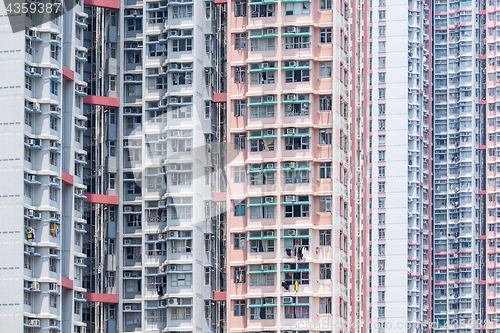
399	157
42	196
155	172
295	178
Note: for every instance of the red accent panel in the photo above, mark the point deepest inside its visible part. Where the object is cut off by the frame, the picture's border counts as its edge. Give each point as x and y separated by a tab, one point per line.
482	192
482	146
101	100
102	298
219	295
67	178
482	282
482	102
66	283
102	199
220	197
482	57
220	98
112	4
68	74
482	236
220	2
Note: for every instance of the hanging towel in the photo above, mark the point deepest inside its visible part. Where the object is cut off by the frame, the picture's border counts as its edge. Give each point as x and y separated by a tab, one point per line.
296	285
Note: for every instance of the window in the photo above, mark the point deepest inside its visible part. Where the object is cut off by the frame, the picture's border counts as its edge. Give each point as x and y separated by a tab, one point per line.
325	170
182	45
261	76
381	93
181	313
239	274
325	237
260	245
240	8
381	280
265	42
53	123
301	8
240	41
325	204
381	46
27	298
325	4
239	308
53	194
259	209
298	311
381	62
182	11
54	52
53	87
299	208
325	36
240	75
325	137
325	103
381	125
325	69
262	10
297	42
262	140
262	174
381	171
325	271
239	174
298	141
298	174
381	31
239	208
262	106
53	301
111	181
381	155
208	275
240	108
239	241
325	305
181	279
240	141
53	158
297	75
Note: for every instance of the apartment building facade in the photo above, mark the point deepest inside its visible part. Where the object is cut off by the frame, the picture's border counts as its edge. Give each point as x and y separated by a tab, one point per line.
154	166
293	213
399	164
42	198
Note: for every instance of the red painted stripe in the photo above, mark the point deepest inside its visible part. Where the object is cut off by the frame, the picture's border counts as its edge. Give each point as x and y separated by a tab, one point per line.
220	98
111	4
102	199
68	74
67	179
102	298
220	197
66	283
101	100
219	295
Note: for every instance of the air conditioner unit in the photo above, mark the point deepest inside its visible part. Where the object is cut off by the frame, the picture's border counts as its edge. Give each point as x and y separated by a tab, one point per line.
172	268
270	31
291	29
172	167
176	133
32	70
265	267
291	165
31	249
172	301
410	214
162	203
270	132
80	261
455	286
36	106
127	307
290	198
173	234
270	233
127	274
265	64
127	241
162	236
80	192
35	33
127	209
35	286
128	110
269	300
287	300
35	322
162	269
54	73
269	200
31	142
290	131
133	12
270	98
128	77
291	232
287	266
188	76
32	177
174	66
292	64
31	213
173	32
